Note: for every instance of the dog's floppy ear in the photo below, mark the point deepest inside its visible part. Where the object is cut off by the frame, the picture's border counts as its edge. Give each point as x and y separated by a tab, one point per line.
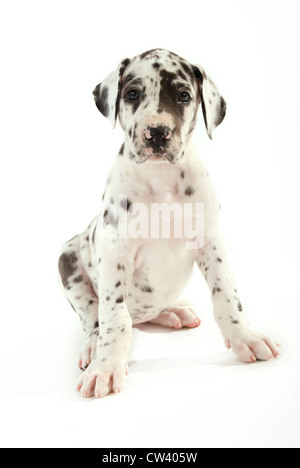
213	104
107	93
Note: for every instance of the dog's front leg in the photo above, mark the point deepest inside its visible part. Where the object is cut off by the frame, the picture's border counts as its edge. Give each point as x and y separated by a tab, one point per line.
106	373
248	344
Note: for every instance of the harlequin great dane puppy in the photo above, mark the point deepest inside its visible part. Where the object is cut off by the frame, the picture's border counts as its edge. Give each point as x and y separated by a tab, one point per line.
122	278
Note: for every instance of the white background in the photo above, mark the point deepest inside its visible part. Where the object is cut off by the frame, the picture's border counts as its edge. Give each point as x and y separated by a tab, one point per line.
184	388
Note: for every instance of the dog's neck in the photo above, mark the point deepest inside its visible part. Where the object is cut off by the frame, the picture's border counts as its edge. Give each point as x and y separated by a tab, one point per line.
158	177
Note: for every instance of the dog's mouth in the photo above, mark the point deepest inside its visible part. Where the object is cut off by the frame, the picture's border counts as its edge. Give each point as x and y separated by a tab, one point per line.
157	156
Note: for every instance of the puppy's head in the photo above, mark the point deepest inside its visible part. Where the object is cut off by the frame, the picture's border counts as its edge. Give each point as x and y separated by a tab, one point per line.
156	96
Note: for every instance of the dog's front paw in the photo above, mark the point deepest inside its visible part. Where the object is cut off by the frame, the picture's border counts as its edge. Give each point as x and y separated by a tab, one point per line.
251	346
102	377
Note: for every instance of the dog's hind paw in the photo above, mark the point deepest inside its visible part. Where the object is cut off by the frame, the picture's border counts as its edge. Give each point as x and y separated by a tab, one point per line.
177	317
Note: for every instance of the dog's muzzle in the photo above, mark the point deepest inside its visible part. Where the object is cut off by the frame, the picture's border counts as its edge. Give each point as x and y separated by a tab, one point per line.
157	137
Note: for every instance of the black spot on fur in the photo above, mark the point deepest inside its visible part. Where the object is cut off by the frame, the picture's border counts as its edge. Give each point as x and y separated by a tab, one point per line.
221	113
127	79
109	218
94	234
118	284
147	289
186	68
121	152
120	300
125	204
78	279
146	54
101	99
189	191
181	74
125	64
67	266
168	96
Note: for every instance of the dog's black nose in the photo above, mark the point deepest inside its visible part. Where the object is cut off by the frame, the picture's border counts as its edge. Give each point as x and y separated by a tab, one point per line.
157	135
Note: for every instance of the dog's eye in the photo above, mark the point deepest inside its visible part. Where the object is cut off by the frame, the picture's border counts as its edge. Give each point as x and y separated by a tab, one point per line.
184	96
133	95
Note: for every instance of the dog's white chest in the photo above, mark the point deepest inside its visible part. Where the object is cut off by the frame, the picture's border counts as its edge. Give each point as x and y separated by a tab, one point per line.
154	287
